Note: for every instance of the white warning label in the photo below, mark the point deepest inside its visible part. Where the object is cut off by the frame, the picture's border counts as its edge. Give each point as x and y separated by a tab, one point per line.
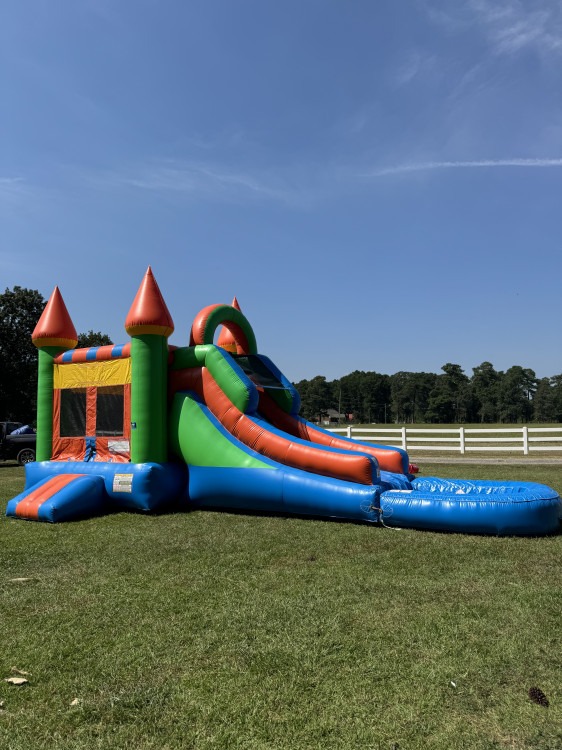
123	483
118	446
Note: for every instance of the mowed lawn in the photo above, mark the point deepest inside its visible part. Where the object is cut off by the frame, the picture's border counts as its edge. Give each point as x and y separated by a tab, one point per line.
219	630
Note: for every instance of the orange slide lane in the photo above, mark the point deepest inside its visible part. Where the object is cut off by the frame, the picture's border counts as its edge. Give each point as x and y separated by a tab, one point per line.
310	458
388	459
29	506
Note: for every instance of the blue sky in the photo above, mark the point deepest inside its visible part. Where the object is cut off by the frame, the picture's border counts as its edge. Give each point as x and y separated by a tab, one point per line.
378	183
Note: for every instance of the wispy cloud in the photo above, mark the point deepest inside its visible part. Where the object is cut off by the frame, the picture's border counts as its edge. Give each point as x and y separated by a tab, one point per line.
202	181
414	65
428	166
354	123
12	186
510	26
14	191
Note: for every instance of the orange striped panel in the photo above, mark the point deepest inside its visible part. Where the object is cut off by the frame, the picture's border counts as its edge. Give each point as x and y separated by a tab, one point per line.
389	460
102	354
29	506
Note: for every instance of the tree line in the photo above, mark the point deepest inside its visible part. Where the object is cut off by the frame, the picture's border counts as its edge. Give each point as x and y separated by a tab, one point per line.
487	396
20	309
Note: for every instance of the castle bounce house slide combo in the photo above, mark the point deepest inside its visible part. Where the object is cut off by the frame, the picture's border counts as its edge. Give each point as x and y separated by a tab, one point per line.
145	424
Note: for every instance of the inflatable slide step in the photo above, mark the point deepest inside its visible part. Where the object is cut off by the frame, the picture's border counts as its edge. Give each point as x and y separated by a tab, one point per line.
60	498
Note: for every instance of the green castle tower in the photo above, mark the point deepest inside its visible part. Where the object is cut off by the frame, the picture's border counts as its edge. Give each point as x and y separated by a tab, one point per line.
54	333
149	324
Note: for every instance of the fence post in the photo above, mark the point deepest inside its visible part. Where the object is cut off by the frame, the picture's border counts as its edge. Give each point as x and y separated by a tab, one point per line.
349	431
525	440
461	439
404	443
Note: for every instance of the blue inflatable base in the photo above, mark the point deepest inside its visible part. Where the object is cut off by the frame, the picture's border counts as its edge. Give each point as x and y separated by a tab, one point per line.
462	506
145	487
281	491
480	507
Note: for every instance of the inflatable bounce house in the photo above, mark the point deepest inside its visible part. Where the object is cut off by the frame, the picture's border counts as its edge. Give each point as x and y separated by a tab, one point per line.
216	425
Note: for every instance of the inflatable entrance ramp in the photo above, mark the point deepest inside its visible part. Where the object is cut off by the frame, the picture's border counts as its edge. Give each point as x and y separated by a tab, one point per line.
60	498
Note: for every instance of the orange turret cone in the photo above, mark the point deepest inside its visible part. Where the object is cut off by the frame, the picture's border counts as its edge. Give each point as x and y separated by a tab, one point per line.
55	327
226	339
149	324
53	333
148	313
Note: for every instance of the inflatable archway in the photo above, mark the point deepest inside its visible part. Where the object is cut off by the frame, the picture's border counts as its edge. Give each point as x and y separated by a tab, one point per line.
211	317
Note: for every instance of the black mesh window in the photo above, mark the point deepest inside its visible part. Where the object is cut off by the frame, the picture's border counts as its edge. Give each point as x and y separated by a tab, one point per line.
110	410
73	412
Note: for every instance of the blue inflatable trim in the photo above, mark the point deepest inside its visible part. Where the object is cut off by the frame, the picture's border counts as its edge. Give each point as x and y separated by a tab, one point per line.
144	487
286	490
483	507
83	496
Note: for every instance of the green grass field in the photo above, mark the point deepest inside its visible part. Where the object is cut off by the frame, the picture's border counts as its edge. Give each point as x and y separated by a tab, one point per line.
216	630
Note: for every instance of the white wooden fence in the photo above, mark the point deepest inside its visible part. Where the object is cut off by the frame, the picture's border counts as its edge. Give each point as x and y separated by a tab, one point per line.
462	440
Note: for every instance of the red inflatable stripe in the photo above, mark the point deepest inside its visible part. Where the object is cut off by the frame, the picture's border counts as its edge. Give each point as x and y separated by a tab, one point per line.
29	506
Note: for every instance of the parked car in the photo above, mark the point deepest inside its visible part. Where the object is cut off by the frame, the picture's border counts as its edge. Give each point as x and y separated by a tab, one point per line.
17	442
